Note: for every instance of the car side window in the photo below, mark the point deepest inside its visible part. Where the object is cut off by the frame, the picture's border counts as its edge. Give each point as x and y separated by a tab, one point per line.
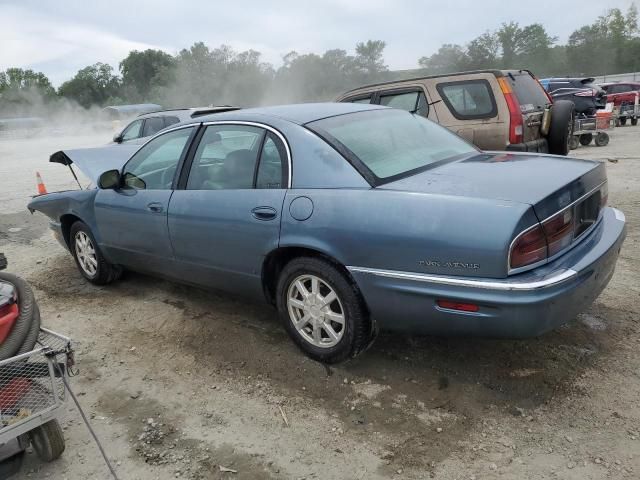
226	158
358	99
168	121
415	102
469	99
152	126
154	165
272	166
132	131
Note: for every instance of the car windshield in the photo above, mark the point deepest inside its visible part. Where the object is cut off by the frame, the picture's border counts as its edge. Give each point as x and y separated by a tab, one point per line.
390	143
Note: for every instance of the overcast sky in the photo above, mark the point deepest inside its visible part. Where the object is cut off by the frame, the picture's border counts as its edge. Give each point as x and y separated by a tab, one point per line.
58	37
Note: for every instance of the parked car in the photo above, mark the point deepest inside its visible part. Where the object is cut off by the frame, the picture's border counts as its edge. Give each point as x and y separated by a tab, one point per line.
493	109
349	218
148	124
583	92
624	96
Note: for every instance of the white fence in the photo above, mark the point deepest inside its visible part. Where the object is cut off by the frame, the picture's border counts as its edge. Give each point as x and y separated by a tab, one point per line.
619	77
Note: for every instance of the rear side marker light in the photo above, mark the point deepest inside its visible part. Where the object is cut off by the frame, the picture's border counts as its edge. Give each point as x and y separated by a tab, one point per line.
462	307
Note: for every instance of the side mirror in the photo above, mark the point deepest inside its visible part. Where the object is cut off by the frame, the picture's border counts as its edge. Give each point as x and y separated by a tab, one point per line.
109	180
118	138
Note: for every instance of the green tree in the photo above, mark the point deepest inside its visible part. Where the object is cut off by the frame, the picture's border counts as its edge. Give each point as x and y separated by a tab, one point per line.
482	52
92	85
144	72
24	91
449	58
370	57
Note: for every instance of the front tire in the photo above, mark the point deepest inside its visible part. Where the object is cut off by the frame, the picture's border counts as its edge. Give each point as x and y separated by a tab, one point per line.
89	259
322	310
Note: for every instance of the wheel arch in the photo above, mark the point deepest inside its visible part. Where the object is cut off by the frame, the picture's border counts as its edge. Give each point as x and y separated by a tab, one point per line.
276	260
66	221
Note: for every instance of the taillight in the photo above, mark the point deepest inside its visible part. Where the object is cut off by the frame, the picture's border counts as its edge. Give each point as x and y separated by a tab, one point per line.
529	247
516	125
590	92
559	231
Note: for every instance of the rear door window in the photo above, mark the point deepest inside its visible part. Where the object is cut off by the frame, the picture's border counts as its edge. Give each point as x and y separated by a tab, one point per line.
469	99
529	92
168	121
411	101
152	126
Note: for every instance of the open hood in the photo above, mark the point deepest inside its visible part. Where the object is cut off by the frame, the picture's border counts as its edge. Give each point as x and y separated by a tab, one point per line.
93	162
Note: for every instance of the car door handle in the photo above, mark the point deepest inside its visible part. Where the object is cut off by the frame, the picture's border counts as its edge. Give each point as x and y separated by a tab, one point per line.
155	207
264	213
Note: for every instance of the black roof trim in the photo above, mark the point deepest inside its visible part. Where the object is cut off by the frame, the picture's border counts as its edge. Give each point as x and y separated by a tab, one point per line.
497	73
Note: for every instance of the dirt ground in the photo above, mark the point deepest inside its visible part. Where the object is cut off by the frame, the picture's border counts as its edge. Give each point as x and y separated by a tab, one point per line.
183	383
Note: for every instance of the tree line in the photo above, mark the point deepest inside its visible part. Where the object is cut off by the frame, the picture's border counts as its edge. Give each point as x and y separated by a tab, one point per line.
201	75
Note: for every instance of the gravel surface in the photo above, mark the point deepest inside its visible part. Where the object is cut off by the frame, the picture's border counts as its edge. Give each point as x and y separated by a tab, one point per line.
185	383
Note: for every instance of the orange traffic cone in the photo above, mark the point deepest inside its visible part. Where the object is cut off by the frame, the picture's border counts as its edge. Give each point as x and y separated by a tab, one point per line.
42	190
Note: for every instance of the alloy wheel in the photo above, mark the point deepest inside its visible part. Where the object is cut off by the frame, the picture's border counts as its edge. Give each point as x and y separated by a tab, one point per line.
316	311
86	253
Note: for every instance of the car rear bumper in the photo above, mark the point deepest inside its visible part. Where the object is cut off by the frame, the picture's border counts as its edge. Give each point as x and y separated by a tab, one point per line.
540	146
524	305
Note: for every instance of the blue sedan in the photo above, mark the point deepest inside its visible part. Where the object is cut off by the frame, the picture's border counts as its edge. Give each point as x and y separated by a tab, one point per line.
349	218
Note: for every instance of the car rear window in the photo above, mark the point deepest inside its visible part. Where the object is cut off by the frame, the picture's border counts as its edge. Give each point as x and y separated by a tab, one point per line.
528	91
469	99
388	144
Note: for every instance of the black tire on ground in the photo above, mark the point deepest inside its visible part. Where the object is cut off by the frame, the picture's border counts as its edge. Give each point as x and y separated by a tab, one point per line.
47	441
358	329
12	465
561	127
585	139
105	272
32	337
622	121
22	326
602	139
634	121
573	142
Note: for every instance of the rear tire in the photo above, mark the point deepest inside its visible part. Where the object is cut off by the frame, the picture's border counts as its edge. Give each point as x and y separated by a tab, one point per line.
561	127
47	441
623	121
89	259
585	139
634	121
327	332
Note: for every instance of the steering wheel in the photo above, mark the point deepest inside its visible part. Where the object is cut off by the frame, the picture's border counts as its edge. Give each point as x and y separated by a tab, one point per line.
167	176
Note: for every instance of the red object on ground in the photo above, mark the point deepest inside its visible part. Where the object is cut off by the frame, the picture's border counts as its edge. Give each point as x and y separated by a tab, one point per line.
13	391
8	316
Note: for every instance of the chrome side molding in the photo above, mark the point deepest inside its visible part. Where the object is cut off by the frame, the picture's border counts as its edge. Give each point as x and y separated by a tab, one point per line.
489	284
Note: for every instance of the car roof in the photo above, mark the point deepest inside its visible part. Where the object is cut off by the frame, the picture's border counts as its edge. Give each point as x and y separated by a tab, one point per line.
497	73
619	82
300	113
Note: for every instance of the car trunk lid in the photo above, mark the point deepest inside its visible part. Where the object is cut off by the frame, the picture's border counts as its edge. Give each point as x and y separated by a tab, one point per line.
546	182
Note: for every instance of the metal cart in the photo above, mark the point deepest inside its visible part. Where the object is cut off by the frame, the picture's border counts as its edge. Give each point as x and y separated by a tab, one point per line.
592	128
629	111
32	394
